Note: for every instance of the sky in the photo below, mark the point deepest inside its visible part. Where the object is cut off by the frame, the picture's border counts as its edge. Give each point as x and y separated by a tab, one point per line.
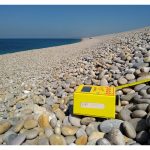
76	21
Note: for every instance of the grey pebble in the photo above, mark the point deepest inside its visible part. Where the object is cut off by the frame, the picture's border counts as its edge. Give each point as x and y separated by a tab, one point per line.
74	120
31	134
102	141
80	132
66	121
70	139
87	120
138	114
137	88
9	136
107	125
43	141
124	114
53	122
18	140
115	137
48	132
129	129
141	106
128	97
92	127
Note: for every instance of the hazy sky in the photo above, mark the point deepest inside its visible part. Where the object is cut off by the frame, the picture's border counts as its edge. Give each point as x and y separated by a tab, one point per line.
70	21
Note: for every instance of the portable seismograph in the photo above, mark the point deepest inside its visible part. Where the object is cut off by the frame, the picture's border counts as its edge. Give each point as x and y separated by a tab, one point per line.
98	101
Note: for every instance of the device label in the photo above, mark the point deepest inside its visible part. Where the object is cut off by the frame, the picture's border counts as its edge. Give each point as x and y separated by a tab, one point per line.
92	105
104	90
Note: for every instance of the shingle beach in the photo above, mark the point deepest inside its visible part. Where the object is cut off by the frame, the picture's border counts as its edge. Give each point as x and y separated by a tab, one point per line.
37	86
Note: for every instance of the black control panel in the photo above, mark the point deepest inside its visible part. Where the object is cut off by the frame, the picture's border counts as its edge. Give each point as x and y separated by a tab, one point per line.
86	89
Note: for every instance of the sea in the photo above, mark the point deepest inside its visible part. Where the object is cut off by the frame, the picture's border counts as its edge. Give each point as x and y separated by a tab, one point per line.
17	45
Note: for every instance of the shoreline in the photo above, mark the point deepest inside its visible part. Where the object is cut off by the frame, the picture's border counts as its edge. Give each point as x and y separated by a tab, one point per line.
87	38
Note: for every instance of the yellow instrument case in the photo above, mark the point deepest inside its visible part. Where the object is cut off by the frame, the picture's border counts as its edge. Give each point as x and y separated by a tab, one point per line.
97	101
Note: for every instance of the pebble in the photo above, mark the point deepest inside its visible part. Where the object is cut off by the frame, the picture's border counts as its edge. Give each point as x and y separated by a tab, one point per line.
30	124
66	121
138	114
147	59
18	140
137	88
57	130
130	77
75	121
91	142
142	137
53	122
70	139
141	106
115	137
60	114
130	107
4	126
127	90
43	121
104	82
87	120
124	103
128	97
80	132
139	124
145	69
43	141
95	136
18	126
9	136
102	141
122	80
143	77
82	140
48	131
56	139
129	129
118	109
31	134
31	142
139	99
107	125
124	114
92	127
38	100
129	141
101	75
69	130
18	105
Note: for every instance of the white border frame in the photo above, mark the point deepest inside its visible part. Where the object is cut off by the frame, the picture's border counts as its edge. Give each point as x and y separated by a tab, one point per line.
74	2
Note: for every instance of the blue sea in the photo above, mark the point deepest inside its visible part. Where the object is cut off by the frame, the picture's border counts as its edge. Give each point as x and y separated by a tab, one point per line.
17	45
